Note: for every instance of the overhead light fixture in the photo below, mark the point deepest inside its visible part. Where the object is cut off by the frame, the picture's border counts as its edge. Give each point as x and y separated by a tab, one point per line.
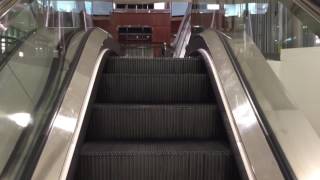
213	6
159	5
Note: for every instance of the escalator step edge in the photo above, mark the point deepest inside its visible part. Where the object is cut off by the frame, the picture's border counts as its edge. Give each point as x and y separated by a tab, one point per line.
138	121
154	66
164	88
181	160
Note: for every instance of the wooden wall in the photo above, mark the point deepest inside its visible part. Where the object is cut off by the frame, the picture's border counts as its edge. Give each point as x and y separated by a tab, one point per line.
175	24
159	21
164	26
104	23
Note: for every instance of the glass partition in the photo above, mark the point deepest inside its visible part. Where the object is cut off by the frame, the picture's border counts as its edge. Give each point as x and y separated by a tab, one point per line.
178	8
276	45
39	40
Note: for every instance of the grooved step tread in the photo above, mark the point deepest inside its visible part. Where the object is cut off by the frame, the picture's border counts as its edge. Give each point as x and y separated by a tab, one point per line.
170	160
147	121
154	66
155	88
119	58
155	119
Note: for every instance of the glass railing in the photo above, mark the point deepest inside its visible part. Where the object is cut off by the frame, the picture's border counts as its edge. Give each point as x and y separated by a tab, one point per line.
276	46
39	40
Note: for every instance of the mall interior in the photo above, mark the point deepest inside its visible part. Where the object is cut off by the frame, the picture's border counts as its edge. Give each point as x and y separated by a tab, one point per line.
160	89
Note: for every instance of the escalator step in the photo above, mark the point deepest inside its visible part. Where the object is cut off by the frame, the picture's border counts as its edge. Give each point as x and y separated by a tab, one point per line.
171	160
154	66
151	58
155	88
134	121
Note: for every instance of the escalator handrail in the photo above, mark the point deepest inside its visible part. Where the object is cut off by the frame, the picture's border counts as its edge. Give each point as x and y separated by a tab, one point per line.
6	5
61	92
183	25
232	95
269	134
309	7
53	79
72	105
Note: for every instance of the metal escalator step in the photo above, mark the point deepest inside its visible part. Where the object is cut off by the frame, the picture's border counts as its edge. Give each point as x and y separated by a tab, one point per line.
155	88
169	160
154	66
137	121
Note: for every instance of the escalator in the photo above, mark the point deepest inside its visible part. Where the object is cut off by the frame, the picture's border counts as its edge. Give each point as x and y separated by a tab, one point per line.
155	118
73	108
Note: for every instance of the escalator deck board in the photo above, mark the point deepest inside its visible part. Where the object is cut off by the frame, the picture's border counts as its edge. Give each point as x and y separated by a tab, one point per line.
171	160
164	88
139	121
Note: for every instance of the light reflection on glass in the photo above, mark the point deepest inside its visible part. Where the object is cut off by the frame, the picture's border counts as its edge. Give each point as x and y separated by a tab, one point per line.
238	9
21	54
317	41
213	6
22	119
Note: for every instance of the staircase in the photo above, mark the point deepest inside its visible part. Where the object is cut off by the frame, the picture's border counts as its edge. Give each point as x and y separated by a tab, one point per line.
155	119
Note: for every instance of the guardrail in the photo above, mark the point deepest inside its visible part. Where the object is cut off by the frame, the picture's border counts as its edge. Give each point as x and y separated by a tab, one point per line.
309	7
6	5
184	30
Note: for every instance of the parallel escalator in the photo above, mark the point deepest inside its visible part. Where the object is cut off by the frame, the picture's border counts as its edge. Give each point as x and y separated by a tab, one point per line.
155	118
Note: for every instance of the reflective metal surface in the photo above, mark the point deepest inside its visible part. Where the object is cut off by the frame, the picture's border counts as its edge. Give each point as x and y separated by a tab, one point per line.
34	63
258	159
295	131
57	154
275	47
183	36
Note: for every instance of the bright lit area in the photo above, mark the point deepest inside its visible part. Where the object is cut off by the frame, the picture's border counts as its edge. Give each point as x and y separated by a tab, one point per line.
160	5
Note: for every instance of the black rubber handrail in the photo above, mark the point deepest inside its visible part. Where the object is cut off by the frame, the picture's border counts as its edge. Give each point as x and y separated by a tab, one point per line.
40	143
310	7
182	25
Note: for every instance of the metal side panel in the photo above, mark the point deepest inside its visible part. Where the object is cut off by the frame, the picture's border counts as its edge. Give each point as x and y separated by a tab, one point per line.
58	151
255	153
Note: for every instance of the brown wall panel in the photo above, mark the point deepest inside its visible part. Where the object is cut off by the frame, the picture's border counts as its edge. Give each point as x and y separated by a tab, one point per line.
161	19
148	19
160	23
175	26
161	34
103	24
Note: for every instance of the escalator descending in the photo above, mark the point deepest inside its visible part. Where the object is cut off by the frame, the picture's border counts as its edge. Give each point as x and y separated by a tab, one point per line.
155	118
